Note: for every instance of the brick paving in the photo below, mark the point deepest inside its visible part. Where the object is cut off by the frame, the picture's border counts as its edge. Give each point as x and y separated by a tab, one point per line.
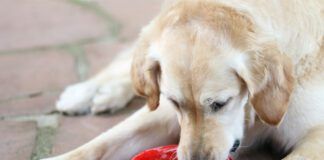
34	72
132	14
97	56
46	45
38	104
17	140
41	23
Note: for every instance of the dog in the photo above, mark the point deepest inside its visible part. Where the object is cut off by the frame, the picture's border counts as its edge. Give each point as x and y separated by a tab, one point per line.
214	72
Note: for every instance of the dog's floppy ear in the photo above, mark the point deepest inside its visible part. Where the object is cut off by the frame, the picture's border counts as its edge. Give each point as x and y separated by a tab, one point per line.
269	78
146	74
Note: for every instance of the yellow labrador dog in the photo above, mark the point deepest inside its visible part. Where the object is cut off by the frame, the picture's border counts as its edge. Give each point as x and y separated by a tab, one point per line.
222	71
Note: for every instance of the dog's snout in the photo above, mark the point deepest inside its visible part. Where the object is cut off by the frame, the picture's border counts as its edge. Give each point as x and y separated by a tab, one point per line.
200	156
203	155
236	145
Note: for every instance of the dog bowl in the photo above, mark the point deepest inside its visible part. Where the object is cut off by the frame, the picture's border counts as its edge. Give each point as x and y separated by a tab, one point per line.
160	153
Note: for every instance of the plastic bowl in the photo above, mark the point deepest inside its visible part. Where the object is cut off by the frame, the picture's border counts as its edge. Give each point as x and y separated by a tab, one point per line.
160	153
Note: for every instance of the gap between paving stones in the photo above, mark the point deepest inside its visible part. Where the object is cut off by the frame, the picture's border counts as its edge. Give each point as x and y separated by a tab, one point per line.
38	50
29	95
81	62
113	26
46	128
44	143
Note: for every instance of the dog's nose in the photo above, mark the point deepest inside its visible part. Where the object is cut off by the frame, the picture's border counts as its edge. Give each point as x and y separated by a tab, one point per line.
201	157
236	145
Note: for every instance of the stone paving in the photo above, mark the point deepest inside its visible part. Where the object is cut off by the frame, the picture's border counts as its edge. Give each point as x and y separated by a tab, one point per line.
46	45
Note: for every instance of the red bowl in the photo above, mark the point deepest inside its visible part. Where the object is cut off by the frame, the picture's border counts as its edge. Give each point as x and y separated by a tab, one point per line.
160	153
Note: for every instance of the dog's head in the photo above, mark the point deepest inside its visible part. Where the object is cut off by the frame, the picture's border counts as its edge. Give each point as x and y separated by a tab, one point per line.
206	59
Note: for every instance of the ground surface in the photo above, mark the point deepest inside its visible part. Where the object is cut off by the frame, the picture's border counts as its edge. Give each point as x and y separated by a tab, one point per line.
46	45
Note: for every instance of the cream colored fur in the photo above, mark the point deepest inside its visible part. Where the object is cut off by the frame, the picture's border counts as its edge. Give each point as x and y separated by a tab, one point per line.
268	53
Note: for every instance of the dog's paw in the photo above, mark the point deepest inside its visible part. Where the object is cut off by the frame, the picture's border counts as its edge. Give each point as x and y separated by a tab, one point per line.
77	98
111	97
89	96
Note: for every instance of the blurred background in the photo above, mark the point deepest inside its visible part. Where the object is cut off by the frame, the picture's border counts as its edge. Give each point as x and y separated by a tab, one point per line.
46	45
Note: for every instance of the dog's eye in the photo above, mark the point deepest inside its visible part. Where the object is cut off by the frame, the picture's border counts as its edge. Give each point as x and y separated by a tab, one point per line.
217	105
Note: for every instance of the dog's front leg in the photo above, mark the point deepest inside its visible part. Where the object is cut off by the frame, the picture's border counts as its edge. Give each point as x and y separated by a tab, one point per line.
110	89
311	147
144	129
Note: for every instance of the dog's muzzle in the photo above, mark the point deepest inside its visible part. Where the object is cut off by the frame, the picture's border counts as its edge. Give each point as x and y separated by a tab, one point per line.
235	146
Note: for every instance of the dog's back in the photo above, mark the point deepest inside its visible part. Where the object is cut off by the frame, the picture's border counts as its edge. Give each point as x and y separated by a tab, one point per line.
296	25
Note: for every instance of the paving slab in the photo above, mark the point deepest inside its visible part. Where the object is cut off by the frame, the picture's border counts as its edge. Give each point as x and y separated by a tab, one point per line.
17	140
100	54
29	106
38	23
132	14
34	72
